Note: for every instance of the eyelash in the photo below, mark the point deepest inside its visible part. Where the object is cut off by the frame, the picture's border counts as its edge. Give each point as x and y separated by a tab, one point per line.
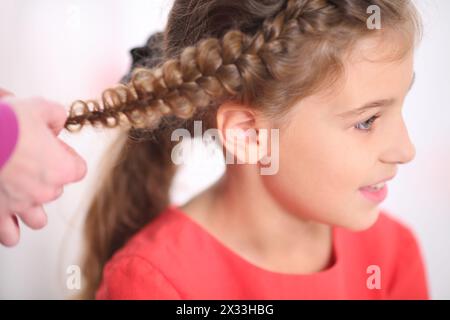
370	120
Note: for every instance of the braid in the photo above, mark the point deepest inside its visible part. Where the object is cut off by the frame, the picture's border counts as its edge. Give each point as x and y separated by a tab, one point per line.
209	71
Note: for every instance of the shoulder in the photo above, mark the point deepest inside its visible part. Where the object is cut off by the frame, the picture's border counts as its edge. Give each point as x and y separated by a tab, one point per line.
161	239
133	277
139	270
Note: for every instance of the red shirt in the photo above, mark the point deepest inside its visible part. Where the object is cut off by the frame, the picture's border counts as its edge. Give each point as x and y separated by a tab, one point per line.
174	257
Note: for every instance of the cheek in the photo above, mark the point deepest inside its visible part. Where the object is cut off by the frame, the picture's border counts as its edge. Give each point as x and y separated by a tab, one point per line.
319	176
327	160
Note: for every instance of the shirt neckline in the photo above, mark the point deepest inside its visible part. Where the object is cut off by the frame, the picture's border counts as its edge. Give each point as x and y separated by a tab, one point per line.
329	271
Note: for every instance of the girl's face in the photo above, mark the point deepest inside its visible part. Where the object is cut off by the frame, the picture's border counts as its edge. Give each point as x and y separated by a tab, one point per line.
329	149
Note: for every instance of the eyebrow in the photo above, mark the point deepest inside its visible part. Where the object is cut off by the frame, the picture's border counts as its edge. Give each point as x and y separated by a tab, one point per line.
375	104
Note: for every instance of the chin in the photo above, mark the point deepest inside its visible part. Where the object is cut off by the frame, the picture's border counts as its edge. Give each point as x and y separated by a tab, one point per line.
364	220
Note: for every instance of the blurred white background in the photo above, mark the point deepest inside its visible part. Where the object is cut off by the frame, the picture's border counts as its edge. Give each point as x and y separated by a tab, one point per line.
71	49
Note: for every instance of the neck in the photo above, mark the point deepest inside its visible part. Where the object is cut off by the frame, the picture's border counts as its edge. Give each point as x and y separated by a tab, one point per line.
244	215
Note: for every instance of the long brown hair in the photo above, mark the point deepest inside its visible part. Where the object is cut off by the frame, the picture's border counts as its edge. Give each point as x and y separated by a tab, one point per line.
265	54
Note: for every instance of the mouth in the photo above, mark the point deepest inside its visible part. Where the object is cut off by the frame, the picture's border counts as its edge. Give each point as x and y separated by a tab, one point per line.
376	192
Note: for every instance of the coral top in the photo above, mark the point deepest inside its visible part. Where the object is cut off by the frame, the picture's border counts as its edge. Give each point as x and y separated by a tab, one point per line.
174	257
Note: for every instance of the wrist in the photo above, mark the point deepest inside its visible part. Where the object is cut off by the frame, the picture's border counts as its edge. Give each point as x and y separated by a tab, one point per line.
9	132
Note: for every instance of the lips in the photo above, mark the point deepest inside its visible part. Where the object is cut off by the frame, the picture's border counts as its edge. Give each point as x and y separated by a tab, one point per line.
376	192
375	187
375	195
379	182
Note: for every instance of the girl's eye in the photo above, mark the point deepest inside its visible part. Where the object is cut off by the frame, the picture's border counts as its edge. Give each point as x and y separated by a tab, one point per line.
368	123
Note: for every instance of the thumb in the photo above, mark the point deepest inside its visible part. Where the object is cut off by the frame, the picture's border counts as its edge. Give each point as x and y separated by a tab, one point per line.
54	115
75	167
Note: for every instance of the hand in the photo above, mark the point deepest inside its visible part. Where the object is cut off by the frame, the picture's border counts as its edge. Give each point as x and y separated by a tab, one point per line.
38	169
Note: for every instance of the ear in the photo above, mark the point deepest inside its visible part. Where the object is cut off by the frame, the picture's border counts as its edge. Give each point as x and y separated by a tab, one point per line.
239	130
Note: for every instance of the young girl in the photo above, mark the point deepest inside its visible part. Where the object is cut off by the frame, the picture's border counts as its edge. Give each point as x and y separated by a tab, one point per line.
333	88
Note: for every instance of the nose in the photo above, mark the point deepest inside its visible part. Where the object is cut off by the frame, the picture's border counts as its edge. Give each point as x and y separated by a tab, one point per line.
399	147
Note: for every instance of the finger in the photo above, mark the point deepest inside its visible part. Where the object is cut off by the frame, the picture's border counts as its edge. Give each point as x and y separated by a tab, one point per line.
35	217
45	195
9	230
5	93
54	115
74	167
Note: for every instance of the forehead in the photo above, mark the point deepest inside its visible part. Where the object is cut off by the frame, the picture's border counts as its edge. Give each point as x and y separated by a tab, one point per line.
370	74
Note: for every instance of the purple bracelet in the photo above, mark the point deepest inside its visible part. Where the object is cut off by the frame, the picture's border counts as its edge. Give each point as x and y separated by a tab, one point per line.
9	132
